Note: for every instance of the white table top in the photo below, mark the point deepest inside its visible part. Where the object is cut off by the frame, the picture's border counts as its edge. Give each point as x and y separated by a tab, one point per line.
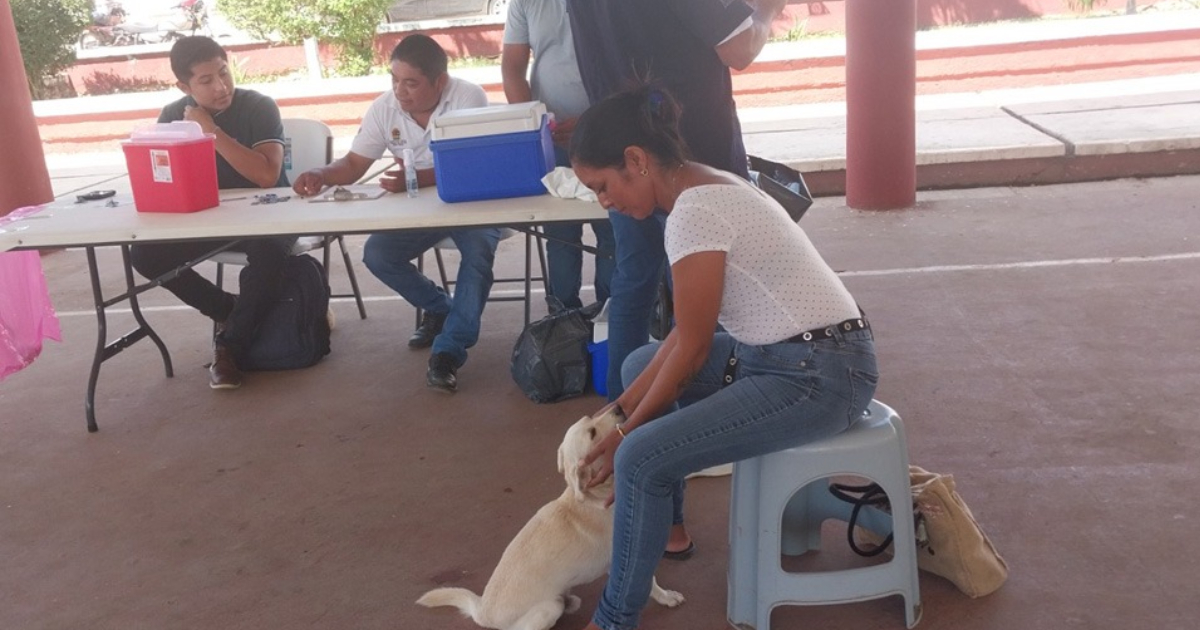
64	223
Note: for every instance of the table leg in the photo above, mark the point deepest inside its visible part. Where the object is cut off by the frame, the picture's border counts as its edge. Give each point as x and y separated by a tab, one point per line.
528	271
89	401
104	350
137	313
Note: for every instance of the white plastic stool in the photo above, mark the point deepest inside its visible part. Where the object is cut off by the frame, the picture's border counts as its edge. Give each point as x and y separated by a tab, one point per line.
775	511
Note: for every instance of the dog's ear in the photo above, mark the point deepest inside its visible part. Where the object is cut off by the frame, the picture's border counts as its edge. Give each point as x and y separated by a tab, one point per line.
562	454
577	477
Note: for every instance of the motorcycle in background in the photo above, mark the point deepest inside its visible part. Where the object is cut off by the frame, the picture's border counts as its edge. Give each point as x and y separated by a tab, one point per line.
103	29
115	27
190	18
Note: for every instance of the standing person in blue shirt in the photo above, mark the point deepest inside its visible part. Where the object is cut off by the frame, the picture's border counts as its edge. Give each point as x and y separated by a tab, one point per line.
541	27
401	119
687	46
249	142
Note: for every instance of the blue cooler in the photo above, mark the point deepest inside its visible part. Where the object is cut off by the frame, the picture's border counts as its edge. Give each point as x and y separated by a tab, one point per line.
599	354
492	152
598	349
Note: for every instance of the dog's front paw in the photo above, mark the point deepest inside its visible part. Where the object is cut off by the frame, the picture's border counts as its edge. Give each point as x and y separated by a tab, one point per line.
571	604
670	599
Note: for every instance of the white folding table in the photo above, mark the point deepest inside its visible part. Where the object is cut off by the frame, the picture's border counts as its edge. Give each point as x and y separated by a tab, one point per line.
100	223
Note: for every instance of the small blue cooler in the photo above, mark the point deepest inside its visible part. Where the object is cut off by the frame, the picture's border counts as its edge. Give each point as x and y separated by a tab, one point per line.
599	352
598	348
492	152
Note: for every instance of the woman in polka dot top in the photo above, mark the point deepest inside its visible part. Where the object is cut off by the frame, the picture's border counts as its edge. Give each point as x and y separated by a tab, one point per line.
795	361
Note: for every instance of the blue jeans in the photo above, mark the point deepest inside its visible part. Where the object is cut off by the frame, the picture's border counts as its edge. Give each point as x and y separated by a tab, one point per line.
389	256
566	260
785	395
640	263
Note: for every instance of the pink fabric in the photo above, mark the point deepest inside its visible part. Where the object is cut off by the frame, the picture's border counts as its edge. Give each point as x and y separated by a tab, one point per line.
26	314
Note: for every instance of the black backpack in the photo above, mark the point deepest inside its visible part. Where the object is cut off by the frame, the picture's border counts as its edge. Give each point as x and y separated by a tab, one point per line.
295	332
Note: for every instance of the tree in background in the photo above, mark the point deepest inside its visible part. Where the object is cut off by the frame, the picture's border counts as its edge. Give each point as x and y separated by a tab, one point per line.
348	24
47	31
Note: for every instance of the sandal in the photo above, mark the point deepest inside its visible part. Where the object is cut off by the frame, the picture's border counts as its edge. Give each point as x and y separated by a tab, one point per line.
682	554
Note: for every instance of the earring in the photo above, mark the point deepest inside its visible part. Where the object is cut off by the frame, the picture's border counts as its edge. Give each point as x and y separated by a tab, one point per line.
645	172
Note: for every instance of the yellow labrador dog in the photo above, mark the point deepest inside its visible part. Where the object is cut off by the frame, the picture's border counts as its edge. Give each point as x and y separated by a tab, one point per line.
567	543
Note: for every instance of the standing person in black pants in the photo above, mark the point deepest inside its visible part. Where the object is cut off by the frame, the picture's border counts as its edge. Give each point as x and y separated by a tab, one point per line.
688	47
249	143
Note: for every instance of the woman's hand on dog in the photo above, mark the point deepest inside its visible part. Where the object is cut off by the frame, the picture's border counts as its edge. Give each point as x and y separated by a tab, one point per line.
603	452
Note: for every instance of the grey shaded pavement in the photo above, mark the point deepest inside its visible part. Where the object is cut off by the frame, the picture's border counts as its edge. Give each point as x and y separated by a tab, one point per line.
1038	342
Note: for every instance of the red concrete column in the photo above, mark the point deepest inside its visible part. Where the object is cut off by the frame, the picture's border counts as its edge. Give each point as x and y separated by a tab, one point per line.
881	75
23	177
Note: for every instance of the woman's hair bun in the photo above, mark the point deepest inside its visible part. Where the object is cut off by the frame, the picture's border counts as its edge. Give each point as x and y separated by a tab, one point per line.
656	99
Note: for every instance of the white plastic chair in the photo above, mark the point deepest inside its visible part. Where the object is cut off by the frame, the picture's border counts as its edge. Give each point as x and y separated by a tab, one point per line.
777	506
307	144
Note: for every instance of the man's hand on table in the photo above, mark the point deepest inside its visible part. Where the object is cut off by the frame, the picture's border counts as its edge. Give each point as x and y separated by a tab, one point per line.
309	183
393	180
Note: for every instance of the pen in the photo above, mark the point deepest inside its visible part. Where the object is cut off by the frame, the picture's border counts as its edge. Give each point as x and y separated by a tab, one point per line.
234	199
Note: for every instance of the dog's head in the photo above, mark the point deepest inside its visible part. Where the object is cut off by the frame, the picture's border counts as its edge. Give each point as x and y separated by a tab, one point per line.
580	439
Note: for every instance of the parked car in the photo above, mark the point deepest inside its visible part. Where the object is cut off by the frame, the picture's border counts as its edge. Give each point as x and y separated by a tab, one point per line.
417	10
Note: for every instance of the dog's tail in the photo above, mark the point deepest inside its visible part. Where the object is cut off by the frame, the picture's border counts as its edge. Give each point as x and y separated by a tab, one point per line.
465	601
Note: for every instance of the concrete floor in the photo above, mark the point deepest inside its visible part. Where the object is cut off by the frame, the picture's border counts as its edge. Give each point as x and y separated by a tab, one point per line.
1038	342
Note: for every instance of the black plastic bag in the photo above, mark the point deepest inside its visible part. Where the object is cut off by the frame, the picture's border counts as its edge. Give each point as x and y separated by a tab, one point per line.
783	183
550	360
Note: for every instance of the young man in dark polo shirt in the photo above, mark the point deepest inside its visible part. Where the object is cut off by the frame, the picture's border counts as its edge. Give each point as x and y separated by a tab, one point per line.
249	143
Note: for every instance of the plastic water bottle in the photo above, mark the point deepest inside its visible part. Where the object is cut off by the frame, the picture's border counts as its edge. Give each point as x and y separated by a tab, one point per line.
410	173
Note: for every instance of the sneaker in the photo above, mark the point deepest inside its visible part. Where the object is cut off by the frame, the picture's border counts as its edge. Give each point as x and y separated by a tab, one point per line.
224	372
442	373
431	325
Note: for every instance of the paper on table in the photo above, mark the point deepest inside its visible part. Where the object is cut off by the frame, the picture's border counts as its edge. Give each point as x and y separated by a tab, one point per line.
349	193
562	183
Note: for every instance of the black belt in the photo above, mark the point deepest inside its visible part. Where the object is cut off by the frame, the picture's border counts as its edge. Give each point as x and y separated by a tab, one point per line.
848	326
